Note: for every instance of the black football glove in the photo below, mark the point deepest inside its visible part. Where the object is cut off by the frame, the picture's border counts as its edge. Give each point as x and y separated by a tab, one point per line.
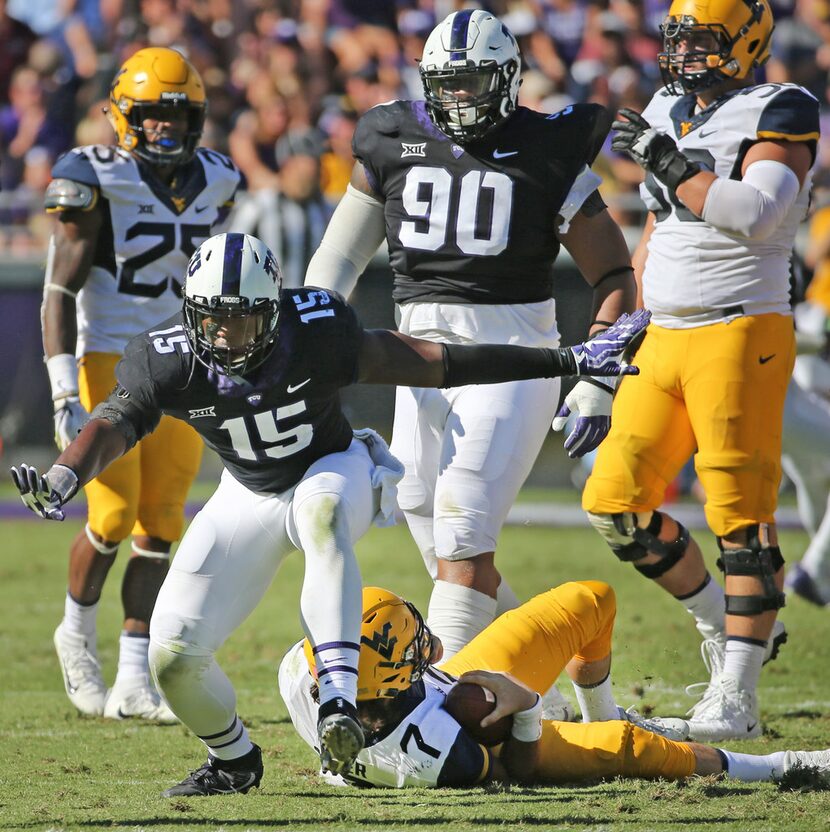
46	493
654	151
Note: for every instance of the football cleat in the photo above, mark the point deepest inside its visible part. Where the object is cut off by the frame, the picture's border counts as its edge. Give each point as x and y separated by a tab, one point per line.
817	762
340	735
81	672
804	585
725	712
221	777
668	727
137	698
556	707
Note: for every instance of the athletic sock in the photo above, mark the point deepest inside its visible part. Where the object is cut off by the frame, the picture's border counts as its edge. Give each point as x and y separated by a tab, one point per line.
753	768
457	614
132	656
81	619
596	702
231	743
708	606
743	660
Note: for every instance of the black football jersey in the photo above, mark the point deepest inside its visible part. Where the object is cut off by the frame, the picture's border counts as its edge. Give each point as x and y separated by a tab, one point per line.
475	223
269	428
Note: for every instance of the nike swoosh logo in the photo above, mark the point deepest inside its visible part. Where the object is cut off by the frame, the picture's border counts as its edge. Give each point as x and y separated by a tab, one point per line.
203	208
762	359
122	715
750	727
292	388
70	688
703	135
499	155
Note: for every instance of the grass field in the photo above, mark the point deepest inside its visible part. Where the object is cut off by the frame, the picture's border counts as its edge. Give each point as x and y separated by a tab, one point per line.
63	772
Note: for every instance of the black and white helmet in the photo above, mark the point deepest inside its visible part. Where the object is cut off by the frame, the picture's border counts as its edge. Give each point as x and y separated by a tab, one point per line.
233	286
470	70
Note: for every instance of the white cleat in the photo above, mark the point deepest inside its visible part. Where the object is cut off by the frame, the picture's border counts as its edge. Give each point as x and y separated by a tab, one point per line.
816	762
556	707
669	727
725	713
81	672
137	698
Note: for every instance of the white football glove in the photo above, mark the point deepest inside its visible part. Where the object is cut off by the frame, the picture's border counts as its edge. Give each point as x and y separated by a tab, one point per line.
591	400
70	417
45	494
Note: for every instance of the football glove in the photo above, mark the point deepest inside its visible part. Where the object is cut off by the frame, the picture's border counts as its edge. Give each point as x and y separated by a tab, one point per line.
45	494
654	151
70	417
590	399
606	354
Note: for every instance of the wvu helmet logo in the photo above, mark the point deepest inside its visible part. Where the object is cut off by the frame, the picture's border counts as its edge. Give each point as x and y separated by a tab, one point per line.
685	127
380	642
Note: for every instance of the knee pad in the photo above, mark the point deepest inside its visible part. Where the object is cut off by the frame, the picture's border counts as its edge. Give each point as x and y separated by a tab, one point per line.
632	536
755	561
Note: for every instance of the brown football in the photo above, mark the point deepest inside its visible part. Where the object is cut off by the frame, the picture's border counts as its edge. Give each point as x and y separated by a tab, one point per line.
468	704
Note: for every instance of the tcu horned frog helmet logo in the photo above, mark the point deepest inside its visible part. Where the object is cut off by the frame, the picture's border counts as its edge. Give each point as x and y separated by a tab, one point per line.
395	646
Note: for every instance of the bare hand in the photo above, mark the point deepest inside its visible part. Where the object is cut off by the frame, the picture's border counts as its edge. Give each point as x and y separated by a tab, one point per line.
511	695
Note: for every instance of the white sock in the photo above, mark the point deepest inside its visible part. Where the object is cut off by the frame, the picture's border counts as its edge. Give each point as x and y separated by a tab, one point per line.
744	660
81	619
506	599
752	768
457	614
132	656
230	744
708	606
597	702
816	560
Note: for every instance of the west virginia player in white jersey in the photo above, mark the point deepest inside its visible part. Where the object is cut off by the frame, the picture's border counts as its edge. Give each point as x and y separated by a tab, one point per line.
129	217
412	740
728	169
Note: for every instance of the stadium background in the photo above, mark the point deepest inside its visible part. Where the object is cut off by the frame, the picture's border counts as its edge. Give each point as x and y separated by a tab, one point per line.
286	80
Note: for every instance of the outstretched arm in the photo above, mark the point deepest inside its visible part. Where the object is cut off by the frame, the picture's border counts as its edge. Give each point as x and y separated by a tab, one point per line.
388	357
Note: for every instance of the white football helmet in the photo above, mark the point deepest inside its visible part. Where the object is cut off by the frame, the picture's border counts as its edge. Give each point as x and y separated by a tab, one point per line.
232	302
470	70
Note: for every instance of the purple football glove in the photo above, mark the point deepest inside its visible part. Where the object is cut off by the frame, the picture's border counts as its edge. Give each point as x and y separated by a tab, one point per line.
591	400
604	355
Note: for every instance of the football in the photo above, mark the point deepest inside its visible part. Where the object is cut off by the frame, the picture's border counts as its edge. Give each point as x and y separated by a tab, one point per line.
468	704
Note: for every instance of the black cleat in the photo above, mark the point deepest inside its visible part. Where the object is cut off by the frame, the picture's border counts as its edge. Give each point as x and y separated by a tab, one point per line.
340	735
218	777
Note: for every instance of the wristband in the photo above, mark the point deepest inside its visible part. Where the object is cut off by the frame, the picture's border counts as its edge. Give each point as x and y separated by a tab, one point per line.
527	725
63	375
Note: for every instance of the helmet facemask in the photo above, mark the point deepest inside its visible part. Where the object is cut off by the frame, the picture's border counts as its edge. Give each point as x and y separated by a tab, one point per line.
169	149
693	55
231	340
465	102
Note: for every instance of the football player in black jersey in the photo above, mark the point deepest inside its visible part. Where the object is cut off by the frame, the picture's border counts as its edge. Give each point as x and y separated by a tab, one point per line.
256	371
474	196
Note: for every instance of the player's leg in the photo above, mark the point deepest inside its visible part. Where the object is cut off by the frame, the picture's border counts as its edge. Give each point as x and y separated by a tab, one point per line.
333	507
491	439
810	577
170	459
223	567
736	401
650	441
112	501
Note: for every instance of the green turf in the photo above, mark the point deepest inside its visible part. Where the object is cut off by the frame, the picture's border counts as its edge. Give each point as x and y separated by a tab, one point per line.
60	771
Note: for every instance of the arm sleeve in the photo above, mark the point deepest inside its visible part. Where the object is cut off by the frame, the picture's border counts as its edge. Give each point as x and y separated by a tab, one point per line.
754	206
494	363
353	235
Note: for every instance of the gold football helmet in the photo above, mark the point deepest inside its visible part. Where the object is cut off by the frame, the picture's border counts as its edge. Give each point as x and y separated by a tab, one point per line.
709	41
395	646
156	83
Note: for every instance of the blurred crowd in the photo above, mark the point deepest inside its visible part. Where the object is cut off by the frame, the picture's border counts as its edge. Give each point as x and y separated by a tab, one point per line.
286	81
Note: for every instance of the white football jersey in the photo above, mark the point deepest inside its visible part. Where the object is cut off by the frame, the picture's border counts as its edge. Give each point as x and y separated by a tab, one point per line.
149	234
415	753
694	273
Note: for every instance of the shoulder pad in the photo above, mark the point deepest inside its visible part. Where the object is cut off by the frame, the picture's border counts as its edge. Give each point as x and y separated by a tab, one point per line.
791	114
77	166
383	118
68	195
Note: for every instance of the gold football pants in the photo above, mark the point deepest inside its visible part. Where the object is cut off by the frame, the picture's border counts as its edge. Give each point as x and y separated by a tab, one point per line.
143	492
714	391
534	643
